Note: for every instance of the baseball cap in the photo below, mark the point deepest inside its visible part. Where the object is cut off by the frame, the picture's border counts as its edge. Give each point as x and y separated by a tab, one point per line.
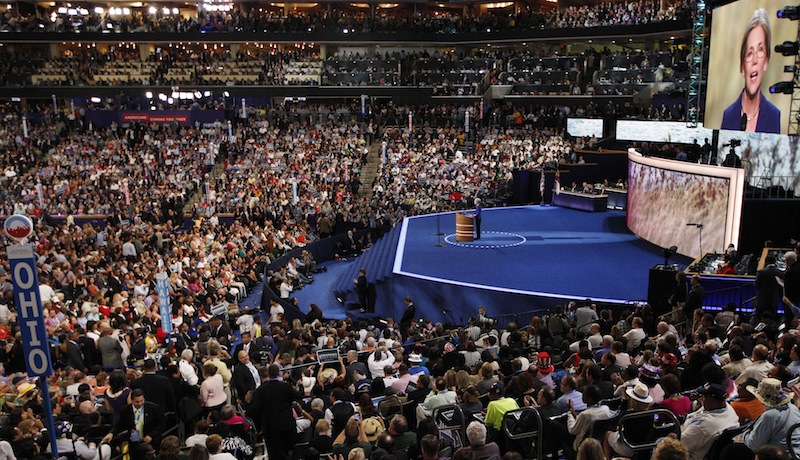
714	390
498	388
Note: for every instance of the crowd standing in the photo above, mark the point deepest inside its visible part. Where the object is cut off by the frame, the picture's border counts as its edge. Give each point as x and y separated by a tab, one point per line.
268	20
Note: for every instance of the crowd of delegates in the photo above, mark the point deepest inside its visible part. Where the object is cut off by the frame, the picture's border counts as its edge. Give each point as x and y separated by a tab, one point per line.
577	367
437	172
266	20
300	172
102	172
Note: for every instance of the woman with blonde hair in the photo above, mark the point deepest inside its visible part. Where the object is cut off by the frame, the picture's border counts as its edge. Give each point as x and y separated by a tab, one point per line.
212	391
751	111
462	380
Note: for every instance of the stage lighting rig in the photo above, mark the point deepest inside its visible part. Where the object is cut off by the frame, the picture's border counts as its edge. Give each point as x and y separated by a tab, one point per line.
788	48
789	12
784	87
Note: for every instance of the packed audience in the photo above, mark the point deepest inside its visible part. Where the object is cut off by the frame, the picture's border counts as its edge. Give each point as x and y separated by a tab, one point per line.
138	20
238	378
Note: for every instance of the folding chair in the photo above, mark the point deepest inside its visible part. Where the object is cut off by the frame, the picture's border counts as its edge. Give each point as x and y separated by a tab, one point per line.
725	438
790	435
600	427
450	421
523	427
659	422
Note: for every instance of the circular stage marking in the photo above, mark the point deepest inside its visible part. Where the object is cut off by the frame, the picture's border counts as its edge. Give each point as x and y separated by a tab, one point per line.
497	240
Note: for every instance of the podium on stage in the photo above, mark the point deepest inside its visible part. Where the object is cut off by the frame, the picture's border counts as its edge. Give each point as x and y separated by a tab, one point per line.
465	227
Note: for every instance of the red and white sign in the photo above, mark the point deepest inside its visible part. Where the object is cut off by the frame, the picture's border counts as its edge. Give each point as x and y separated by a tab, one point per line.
18	226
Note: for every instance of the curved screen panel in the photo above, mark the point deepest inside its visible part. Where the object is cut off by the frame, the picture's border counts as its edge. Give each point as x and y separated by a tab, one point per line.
667	200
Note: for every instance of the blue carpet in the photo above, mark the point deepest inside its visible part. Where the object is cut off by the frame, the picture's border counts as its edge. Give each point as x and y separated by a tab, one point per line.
548	251
321	291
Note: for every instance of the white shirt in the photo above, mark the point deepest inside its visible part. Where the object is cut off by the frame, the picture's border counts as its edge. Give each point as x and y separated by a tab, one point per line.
222	456
6	452
254	372
46	293
274	312
196	440
758	370
634	337
188	373
285	289
128	249
703	427
245	323
376	366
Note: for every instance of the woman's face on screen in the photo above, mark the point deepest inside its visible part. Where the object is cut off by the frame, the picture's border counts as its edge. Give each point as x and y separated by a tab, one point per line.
755	61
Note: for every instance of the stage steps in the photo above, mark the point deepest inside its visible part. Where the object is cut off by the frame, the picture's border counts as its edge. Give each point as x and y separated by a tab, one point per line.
378	261
369	170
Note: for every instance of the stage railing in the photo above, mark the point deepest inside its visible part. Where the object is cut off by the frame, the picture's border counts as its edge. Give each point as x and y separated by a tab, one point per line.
771	187
741	296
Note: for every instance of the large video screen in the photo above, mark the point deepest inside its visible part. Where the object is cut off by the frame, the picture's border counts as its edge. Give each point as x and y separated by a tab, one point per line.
585	127
661	131
667	199
768	159
743	65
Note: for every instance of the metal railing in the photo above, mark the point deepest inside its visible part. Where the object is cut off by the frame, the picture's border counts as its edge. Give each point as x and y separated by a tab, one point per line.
772	187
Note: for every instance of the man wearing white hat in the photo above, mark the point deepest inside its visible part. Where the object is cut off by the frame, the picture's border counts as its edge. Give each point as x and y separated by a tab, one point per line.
639	400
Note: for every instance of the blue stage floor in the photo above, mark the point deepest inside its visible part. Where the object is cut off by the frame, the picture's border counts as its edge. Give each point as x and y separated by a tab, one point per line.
534	250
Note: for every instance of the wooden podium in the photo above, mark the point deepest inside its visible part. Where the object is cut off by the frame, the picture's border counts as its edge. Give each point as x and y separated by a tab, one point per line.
465	227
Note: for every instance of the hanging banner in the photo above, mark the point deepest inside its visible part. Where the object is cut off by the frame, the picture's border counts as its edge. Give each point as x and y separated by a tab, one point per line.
163	302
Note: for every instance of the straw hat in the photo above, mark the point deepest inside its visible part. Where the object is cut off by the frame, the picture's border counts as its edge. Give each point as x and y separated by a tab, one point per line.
771	393
372	428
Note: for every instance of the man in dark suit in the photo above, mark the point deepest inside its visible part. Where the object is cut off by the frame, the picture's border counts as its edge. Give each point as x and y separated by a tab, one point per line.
768	290
138	348
251	348
183	339
245	377
362	289
409	313
142	419
156	388
272	413
610	367
349	246
219	330
696	295
72	353
88	347
478	218
594	376
792	277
